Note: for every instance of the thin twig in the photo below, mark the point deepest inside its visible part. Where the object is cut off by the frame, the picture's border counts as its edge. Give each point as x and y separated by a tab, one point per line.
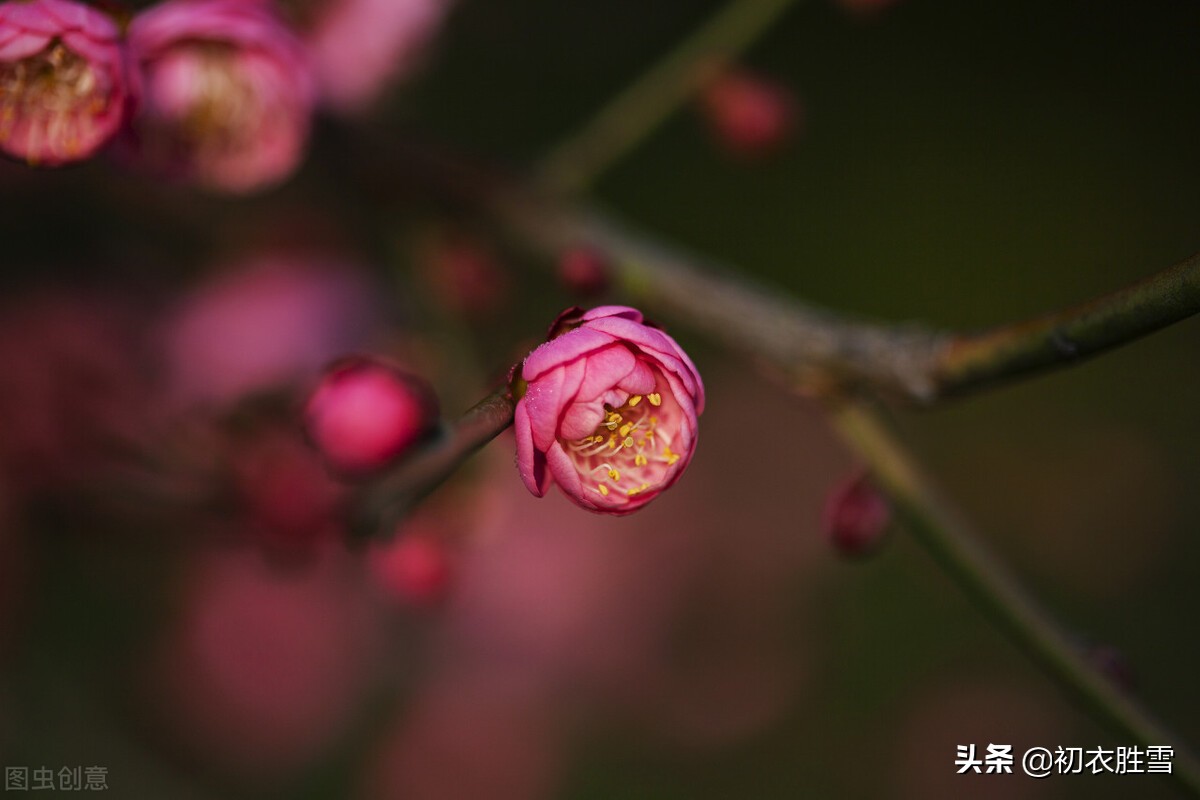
953	544
385	501
971	362
826	349
639	109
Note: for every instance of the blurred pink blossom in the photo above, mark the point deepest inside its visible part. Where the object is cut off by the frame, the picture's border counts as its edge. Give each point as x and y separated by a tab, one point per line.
610	412
289	502
415	567
465	276
64	80
359	46
72	390
365	413
263	669
228	94
273	321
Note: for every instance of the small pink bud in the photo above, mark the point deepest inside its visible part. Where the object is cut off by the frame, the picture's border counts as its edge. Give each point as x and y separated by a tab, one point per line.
288	500
466	276
857	516
415	569
228	94
64	81
749	115
365	414
609	412
584	271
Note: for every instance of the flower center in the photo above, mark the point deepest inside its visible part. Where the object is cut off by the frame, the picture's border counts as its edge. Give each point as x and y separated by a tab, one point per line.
630	450
52	92
224	108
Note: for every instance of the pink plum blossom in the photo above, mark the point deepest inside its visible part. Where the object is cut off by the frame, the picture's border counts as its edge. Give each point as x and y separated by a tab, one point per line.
228	94
359	46
269	321
609	413
64	80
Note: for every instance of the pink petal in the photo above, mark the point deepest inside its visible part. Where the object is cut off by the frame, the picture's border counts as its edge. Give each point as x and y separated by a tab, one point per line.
563	469
568	347
531	463
581	420
599	312
605	369
656	344
640	379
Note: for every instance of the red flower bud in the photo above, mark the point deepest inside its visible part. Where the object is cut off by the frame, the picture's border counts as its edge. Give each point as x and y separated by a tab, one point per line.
365	414
749	115
857	516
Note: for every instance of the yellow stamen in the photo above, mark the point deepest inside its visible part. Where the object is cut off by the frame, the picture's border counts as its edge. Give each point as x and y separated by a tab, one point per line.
669	456
640	460
655	399
633	401
625	429
628	441
603	489
612	473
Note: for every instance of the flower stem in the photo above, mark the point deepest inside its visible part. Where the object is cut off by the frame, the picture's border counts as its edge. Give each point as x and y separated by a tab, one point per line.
637	111
970	362
826	349
940	530
385	501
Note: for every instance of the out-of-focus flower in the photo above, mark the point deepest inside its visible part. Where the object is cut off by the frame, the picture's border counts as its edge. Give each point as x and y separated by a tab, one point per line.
228	95
359	46
749	115
857	516
270	322
263	669
364	414
289	502
609	413
584	271
414	568
72	390
464	275
64	80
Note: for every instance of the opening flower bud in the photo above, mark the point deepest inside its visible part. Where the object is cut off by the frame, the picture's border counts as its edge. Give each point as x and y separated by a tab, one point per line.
365	414
610	412
64	81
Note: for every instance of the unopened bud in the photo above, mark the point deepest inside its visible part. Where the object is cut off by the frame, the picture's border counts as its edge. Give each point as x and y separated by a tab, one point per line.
415	569
365	414
584	271
857	516
748	115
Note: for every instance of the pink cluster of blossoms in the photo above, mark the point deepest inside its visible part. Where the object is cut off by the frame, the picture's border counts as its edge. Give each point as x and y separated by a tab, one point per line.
219	93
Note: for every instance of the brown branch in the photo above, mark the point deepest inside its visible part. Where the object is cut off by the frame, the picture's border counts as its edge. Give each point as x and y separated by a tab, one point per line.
385	501
825	350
